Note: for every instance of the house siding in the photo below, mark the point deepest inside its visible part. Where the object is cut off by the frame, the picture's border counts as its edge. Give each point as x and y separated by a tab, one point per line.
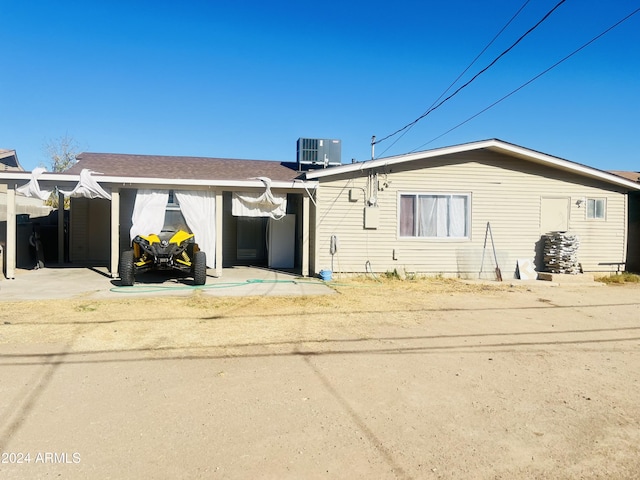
504	191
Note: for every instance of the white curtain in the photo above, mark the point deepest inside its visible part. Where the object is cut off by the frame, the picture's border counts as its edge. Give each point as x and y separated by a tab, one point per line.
457	216
266	204
32	189
442	224
442	216
148	212
87	187
199	211
427	224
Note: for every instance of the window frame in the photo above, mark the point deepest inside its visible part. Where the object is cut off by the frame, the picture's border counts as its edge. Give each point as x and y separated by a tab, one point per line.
595	217
416	195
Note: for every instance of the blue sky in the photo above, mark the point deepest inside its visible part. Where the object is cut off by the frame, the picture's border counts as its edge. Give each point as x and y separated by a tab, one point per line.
246	79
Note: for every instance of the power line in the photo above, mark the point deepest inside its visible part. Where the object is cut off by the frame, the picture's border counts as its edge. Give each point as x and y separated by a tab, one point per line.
532	79
409	125
462	73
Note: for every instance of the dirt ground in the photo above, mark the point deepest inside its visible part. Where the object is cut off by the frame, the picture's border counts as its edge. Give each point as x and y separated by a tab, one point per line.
394	379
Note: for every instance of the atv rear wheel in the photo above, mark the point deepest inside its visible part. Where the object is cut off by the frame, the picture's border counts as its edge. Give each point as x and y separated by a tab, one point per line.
199	268
126	268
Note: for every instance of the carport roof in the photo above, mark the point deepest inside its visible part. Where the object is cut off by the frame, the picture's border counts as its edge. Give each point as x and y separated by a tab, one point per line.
170	167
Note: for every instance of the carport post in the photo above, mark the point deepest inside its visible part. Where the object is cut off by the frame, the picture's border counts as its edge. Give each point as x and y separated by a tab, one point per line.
305	236
60	228
217	271
10	252
115	231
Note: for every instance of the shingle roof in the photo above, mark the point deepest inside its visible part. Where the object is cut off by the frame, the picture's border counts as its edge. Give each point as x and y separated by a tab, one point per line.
634	176
196	168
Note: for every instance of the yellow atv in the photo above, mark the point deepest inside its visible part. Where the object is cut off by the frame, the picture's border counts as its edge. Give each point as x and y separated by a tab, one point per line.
165	251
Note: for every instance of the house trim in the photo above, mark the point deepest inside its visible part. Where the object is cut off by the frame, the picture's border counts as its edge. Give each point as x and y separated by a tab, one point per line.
65	179
492	144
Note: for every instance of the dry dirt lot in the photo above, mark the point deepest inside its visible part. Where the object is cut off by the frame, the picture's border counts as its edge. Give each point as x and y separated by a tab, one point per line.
423	379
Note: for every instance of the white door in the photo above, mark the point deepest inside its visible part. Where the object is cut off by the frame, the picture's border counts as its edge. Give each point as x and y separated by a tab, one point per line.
281	244
554	214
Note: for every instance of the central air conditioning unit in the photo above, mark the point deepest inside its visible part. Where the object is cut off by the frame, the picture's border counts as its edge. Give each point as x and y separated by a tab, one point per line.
318	153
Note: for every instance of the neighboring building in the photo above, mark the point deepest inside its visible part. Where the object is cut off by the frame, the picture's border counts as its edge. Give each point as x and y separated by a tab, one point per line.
9	161
25	206
427	212
25	209
424	213
633	252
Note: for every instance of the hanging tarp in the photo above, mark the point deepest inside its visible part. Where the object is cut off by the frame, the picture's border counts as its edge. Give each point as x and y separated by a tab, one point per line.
265	204
148	212
199	211
87	187
32	189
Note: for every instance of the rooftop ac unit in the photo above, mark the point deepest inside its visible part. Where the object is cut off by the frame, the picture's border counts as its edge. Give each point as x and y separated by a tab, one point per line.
315	152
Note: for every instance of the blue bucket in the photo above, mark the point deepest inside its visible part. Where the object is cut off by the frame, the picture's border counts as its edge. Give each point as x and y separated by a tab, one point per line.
325	275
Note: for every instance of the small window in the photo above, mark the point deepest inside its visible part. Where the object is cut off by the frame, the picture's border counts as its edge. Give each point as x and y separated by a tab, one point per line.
173	201
173	218
434	216
596	208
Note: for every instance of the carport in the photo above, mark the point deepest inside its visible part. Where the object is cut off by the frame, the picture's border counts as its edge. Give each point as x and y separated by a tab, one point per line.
101	225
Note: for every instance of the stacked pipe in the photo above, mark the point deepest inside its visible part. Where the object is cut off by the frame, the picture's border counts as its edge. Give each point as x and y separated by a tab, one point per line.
561	253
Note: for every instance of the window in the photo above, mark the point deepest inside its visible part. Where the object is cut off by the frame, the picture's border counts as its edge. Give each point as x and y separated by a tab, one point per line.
595	208
173	218
434	216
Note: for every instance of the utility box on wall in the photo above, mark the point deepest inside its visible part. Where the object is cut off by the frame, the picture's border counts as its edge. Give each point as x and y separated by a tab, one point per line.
315	152
371	217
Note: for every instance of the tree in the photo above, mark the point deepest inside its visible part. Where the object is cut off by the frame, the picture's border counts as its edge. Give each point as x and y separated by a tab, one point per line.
61	153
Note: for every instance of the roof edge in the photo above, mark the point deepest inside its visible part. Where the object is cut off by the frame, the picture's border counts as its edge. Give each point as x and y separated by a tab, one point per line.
51	177
492	144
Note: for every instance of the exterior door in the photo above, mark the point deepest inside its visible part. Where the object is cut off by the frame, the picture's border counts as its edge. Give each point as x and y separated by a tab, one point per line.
554	214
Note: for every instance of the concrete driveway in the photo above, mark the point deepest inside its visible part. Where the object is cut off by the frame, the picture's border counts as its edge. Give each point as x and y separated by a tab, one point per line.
72	282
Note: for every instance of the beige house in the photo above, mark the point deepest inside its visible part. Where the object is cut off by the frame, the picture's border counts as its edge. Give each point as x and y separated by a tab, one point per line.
427	212
424	212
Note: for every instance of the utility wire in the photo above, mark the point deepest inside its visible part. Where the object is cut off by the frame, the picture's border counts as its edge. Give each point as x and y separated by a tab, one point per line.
475	76
463	72
532	80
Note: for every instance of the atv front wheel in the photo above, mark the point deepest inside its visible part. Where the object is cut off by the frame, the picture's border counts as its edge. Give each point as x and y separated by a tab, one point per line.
199	268
126	269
